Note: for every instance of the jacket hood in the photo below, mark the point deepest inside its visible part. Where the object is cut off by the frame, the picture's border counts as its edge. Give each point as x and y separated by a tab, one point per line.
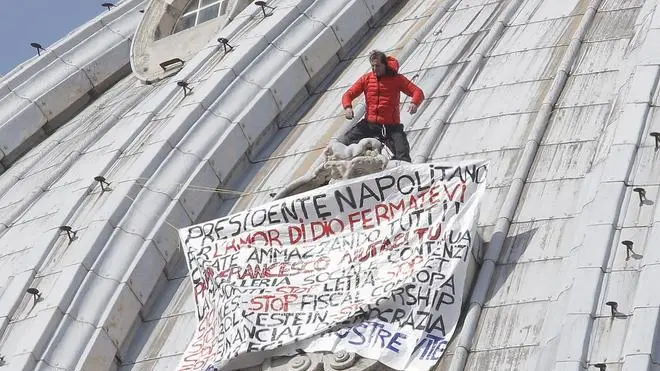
393	64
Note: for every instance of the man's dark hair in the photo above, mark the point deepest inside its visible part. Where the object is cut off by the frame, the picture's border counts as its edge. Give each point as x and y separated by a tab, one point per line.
377	55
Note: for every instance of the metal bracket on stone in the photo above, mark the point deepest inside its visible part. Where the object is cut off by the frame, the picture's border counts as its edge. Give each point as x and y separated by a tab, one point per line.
186	88
263	6
614	309
104	184
35	293
629	250
225	44
656	136
69	232
108	5
38	47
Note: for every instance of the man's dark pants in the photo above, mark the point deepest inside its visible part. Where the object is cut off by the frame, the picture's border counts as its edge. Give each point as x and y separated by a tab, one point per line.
394	137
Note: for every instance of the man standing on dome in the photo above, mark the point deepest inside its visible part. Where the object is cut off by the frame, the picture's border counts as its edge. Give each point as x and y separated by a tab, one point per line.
382	88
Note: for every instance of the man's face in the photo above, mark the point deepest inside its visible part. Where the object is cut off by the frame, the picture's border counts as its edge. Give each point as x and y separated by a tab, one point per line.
378	67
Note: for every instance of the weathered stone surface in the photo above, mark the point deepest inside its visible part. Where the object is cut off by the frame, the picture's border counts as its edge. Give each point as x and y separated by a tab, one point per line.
341	162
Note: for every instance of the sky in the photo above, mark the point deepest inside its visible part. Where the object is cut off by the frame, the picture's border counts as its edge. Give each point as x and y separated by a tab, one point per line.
43	21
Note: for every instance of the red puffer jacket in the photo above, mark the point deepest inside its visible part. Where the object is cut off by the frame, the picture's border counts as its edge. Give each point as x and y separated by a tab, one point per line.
383	94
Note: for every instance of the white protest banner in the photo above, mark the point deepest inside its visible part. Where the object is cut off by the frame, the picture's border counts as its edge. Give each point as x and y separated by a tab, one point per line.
374	265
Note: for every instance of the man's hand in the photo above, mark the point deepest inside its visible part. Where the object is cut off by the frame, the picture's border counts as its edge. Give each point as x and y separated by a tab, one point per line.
348	113
412	108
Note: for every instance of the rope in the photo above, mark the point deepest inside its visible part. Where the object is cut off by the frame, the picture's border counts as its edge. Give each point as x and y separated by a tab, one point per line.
140	212
428	54
421	66
197	188
192	187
